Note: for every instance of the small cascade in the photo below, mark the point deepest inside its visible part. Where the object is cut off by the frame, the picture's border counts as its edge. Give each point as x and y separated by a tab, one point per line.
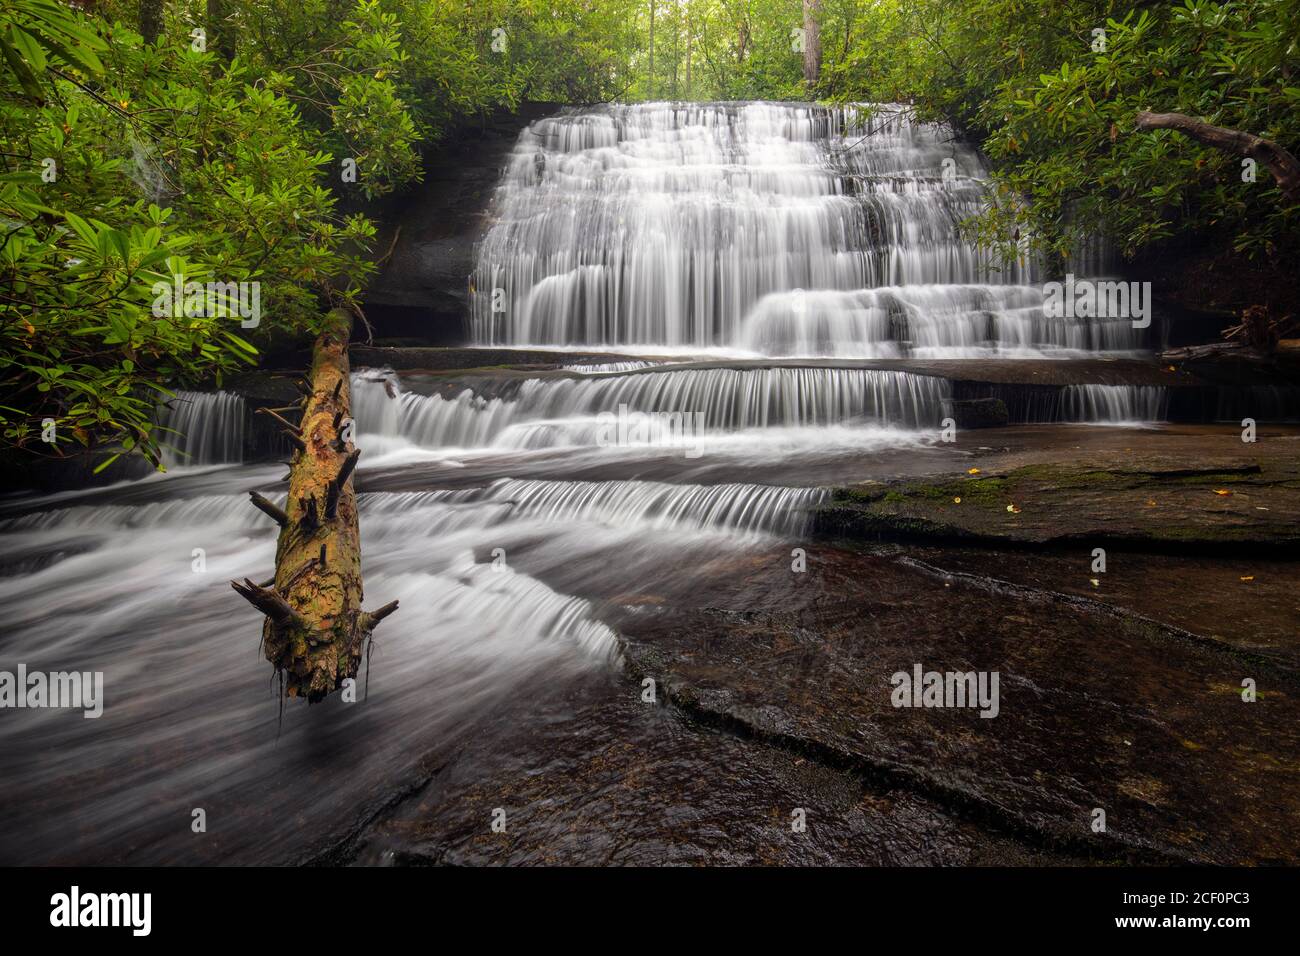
939	321
231	512
1114	404
724	400
626	505
202	428
609	368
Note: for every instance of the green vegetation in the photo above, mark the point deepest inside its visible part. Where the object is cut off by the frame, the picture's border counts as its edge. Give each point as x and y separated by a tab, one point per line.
223	152
154	142
1048	88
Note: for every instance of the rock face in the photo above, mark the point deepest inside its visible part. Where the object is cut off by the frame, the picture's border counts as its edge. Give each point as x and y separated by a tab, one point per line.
980	413
422	290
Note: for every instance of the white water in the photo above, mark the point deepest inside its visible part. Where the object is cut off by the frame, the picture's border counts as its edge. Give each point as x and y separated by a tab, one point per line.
202	428
554	412
1113	404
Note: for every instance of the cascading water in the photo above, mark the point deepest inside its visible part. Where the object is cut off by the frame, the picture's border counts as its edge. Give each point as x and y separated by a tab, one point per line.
202	428
543	412
1113	404
772	228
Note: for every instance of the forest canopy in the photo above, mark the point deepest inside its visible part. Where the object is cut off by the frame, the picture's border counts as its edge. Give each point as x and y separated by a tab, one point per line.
158	144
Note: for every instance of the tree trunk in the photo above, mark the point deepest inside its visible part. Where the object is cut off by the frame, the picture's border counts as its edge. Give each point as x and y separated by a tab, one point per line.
315	631
1281	163
652	49
812	42
221	33
150	20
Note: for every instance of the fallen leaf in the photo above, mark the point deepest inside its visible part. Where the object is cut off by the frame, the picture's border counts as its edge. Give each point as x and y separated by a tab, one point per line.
1222	491
1094	582
973	471
1248	577
1013	509
956	501
1151	502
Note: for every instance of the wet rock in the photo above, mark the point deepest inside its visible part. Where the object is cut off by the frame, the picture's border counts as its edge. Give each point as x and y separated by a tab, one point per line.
1097	709
422	289
979	413
624	782
1149	502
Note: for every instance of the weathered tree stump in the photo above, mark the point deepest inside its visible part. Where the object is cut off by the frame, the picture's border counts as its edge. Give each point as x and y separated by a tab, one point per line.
315	631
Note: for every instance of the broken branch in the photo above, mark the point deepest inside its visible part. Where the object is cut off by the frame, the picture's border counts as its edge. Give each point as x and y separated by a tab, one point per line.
265	506
269	602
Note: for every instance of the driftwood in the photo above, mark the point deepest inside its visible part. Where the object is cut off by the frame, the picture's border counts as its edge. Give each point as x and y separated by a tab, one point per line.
1233	351
1279	161
315	631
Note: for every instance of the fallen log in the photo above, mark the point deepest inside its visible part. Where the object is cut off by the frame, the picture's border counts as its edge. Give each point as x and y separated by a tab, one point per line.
315	632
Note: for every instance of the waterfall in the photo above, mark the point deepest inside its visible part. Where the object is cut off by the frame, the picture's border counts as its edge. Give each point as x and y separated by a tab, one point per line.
552	411
931	321
202	428
784	229
602	368
1114	404
629	504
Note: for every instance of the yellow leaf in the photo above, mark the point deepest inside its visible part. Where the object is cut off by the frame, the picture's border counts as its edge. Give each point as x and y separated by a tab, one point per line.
1151	502
1222	491
1094	582
956	501
973	471
1248	577
1013	509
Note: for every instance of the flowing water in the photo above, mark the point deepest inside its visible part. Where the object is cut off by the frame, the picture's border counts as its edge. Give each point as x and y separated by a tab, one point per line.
704	230
761	228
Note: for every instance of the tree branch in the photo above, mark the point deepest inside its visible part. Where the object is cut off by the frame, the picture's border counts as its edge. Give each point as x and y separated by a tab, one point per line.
1280	162
268	601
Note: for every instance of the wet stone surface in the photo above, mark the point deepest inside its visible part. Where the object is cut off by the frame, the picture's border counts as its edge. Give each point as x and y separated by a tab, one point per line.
625	782
773	693
1096	710
1152	500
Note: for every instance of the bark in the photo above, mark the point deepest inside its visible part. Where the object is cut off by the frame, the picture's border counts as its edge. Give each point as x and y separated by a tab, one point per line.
1281	163
150	20
652	49
812	42
689	87
315	631
221	32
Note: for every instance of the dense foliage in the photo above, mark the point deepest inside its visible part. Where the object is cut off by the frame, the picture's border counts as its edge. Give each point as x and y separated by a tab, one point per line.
1049	89
218	141
221	151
